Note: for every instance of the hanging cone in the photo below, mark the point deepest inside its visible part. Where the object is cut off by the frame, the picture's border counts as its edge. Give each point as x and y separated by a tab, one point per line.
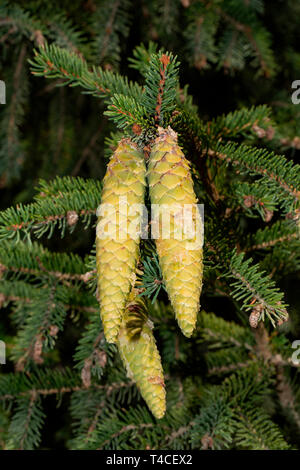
118	233
140	356
180	253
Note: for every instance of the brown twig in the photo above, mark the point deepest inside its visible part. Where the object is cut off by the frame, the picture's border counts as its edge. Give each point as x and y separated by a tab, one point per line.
55	391
284	238
47	220
57	274
165	60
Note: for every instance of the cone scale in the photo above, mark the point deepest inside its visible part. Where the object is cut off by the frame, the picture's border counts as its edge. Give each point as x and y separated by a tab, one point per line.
180	255
117	237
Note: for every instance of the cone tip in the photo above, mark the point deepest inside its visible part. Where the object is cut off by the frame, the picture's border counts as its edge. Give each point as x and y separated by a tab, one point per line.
127	141
159	414
166	132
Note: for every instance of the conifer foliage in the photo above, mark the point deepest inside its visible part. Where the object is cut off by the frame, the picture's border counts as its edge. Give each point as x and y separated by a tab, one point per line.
123	375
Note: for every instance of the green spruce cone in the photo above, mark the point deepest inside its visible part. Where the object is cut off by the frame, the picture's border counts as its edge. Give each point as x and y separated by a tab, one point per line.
117	238
140	355
180	253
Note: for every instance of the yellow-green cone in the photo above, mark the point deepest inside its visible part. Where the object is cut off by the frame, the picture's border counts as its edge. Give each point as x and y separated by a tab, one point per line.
140	356
117	237
180	254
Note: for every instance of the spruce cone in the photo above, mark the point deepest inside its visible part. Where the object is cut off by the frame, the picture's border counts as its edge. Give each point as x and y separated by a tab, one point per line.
180	254
117	238
140	356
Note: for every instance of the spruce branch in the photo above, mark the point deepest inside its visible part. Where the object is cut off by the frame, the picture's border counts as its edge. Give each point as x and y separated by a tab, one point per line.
224	404
93	353
40	329
255	200
213	427
258	37
23	294
142	56
229	346
12	151
117	427
25	428
58	204
151	279
253	287
254	430
61	30
276	172
240	122
125	112
21	20
48	381
200	35
283	260
112	25
281	232
54	62
39	262
159	97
